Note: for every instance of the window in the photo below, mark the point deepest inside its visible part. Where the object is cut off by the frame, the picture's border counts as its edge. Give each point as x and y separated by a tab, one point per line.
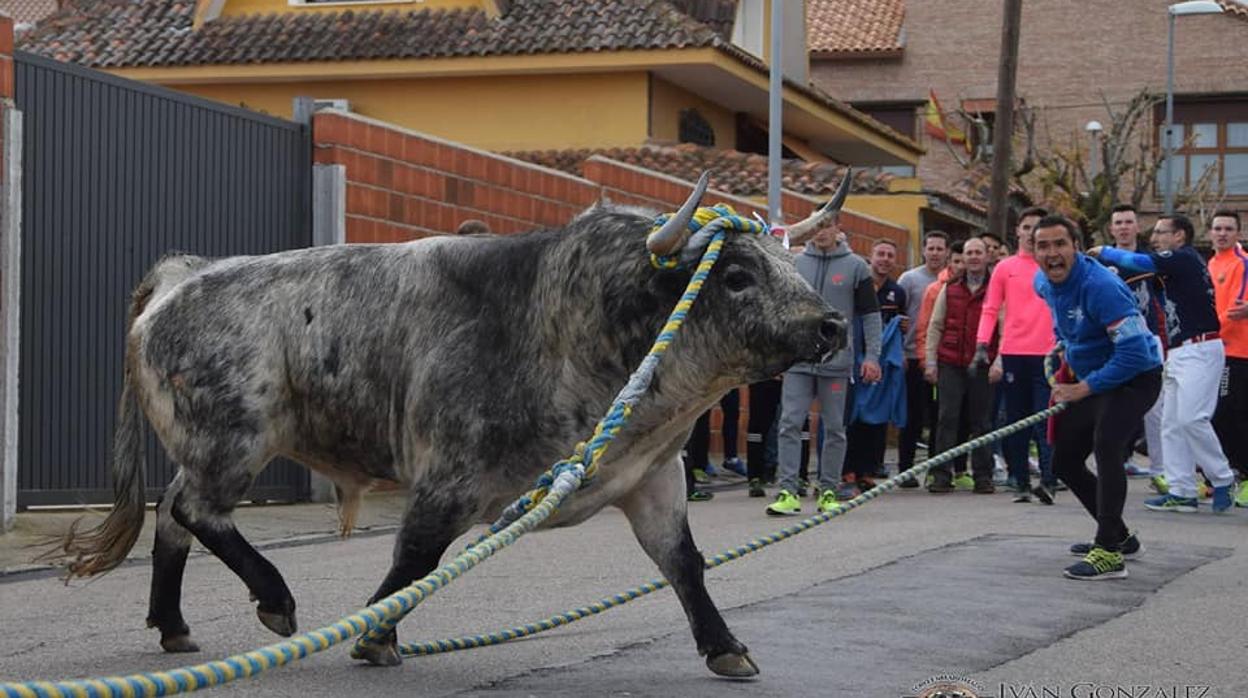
694	128
1210	139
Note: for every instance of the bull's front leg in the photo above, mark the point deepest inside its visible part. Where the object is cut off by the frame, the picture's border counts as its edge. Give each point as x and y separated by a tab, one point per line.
657	512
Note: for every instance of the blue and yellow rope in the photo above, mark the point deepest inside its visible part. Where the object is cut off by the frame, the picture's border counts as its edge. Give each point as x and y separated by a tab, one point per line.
567	617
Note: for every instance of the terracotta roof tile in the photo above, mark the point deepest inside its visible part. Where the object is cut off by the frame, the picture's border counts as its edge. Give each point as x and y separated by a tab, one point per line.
116	33
854	26
1235	7
27	11
732	171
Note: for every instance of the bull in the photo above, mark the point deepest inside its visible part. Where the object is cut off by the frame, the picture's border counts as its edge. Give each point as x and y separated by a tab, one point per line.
461	367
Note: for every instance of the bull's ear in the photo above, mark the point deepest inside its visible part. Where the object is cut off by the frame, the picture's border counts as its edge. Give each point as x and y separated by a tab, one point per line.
671	238
800	232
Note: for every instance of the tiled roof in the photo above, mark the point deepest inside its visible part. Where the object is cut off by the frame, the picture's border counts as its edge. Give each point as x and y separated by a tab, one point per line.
1235	7
27	11
117	33
854	27
732	171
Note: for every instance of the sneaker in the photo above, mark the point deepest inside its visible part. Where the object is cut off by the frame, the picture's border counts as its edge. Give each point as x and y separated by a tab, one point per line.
1170	502
735	465
1158	484
700	476
940	486
756	488
700	496
866	484
964	482
842	493
711	471
802	486
1130	548
984	487
1241	499
909	483
1134	470
786	504
1098	564
1203	490
1044	494
828	502
1222	500
1022	495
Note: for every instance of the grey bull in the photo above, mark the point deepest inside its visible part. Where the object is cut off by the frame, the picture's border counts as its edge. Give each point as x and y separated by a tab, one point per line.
461	367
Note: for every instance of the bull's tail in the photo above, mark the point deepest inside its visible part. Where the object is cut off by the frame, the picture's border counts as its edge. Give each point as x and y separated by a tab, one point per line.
96	550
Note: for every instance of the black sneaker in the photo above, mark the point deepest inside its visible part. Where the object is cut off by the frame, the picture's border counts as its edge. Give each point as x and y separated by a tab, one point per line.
1044	494
1130	548
1098	564
756	488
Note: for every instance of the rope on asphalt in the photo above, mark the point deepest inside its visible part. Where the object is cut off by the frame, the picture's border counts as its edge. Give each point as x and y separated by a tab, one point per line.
609	602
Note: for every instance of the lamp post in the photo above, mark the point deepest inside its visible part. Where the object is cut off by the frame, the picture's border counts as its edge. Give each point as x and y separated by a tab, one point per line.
1192	7
1094	129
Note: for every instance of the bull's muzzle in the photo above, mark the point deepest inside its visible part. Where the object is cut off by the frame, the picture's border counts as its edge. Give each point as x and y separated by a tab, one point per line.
833	335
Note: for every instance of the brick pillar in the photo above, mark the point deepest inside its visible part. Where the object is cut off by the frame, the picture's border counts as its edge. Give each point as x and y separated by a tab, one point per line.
10	276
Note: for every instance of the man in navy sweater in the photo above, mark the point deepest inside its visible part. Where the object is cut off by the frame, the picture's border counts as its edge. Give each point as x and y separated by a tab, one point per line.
1117	365
1194	361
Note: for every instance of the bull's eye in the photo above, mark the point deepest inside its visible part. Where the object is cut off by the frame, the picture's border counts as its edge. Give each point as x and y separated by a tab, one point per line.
738	279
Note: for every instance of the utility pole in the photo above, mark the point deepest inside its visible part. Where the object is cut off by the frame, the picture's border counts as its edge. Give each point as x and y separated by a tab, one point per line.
1003	133
775	114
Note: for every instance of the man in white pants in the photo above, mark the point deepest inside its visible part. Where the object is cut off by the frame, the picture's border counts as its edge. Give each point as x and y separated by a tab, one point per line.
1193	365
1124	228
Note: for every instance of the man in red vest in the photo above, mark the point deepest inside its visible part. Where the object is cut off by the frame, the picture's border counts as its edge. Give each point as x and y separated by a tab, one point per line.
951	345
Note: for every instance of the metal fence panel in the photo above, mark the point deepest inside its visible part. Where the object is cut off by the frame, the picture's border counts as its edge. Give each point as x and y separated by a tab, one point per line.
118	173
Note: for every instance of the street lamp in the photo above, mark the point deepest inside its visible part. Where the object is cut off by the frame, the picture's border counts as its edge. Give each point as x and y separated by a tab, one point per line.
1094	129
1193	7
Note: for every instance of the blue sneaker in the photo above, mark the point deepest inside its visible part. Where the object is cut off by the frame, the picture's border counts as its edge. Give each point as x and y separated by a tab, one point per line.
1170	502
1222	499
1134	470
735	465
710	470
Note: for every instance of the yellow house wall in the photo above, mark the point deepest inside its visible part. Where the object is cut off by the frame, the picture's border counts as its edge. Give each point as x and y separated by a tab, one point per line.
900	209
524	112
668	100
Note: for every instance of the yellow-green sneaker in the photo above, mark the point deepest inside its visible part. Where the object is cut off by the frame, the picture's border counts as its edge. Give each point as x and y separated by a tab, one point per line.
786	504
828	502
700	476
1158	484
964	482
1241	499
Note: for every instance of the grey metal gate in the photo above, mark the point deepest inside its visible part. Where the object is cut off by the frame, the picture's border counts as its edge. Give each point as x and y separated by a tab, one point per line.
117	173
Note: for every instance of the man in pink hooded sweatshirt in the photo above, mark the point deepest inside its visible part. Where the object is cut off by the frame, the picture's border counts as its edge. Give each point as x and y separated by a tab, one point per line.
1026	337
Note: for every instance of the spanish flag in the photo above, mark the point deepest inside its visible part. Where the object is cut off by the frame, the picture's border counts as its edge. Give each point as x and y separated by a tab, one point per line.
936	126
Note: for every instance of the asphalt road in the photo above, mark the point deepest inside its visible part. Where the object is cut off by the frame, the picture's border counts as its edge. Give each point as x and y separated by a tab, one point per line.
872	604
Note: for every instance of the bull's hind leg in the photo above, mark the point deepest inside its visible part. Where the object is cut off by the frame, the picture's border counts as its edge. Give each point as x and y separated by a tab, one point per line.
204	509
173	542
657	512
436	514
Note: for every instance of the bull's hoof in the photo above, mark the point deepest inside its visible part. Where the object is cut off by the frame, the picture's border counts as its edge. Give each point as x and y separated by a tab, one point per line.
377	655
281	623
178	643
733	665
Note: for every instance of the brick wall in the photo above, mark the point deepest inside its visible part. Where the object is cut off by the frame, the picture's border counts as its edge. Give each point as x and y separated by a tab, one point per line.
403	185
1070	54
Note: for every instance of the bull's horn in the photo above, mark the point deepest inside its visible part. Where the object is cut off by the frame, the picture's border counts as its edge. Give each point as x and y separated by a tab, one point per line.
671	237
799	232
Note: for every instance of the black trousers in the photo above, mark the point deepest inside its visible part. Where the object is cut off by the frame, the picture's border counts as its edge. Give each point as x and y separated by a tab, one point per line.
864	448
1230	420
920	412
764	403
1103	425
697	448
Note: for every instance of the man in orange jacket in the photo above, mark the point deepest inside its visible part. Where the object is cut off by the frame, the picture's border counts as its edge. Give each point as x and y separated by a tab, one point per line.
1229	269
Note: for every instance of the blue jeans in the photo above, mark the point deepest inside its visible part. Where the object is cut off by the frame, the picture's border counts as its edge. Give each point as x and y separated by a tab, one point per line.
1026	392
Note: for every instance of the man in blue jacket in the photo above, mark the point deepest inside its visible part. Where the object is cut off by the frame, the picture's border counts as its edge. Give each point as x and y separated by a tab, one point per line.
1117	365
